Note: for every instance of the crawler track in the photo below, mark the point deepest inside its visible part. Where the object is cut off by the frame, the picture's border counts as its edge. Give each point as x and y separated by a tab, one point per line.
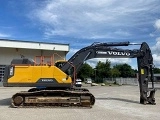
53	98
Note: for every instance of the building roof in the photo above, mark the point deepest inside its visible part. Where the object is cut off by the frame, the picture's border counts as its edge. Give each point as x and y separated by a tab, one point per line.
6	43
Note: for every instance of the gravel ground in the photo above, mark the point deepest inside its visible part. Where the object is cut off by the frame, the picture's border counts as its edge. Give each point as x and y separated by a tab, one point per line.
112	103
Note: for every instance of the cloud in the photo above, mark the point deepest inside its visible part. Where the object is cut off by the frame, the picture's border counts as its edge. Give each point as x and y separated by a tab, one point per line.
157	24
156	47
156	52
109	20
156	60
94	19
3	35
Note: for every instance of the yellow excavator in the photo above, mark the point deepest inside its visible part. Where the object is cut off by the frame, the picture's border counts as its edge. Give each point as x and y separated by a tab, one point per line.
53	85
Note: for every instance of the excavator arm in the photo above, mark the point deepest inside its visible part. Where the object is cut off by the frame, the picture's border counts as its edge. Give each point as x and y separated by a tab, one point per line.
111	50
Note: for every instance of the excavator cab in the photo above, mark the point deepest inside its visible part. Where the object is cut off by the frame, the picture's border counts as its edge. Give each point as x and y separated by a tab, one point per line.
60	63
70	72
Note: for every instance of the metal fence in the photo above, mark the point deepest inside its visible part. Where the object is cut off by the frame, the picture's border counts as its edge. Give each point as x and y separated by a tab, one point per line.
121	81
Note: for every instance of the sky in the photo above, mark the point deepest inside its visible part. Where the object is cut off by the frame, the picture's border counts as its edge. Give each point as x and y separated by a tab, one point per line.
80	23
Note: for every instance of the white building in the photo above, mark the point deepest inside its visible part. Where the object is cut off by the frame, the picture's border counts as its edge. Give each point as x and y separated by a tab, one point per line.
11	49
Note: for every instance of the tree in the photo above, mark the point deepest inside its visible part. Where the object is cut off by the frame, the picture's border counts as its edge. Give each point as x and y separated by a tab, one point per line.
115	72
156	70
103	70
85	71
125	70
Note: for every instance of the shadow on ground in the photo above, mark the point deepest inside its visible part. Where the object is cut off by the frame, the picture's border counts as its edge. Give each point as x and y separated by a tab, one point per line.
118	99
5	102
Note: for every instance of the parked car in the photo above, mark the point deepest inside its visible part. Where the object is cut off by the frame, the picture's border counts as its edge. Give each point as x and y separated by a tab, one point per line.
88	81
78	82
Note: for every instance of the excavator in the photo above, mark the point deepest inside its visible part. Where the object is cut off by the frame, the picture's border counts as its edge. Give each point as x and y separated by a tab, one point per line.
53	85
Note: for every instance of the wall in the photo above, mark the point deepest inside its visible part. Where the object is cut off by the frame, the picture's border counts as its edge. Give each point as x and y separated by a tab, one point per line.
7	54
122	81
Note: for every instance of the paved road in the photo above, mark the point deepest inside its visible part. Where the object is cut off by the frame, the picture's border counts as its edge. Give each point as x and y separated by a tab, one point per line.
112	103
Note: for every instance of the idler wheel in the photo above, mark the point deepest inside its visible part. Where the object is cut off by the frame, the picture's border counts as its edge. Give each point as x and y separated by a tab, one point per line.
18	100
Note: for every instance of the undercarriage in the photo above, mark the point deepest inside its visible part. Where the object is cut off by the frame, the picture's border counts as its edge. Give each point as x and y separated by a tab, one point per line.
53	98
